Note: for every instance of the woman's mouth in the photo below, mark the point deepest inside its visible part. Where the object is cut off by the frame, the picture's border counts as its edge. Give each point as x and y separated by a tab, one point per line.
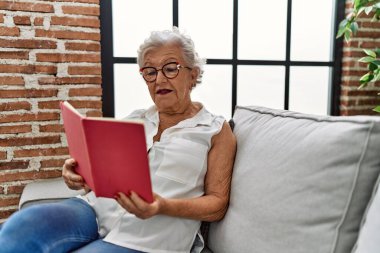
163	91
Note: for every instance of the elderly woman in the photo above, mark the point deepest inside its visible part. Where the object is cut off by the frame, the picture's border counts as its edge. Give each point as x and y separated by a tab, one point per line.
191	155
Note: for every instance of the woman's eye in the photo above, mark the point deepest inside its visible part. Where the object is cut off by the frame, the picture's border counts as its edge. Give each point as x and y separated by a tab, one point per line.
150	72
171	69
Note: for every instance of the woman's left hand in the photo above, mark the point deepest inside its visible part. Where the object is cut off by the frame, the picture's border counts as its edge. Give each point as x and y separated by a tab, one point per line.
137	206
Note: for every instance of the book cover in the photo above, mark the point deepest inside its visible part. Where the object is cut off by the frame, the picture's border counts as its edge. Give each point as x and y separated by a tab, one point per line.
111	154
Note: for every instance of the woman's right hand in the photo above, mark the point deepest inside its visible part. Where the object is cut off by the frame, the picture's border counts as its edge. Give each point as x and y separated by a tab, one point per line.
73	180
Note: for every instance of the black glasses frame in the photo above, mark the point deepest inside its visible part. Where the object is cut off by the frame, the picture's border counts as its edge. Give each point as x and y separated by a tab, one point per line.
179	66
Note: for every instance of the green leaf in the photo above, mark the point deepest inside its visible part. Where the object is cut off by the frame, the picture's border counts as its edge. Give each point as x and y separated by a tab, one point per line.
377	109
341	31
347	35
366	79
372	67
377	62
367	59
370	52
368	9
354	27
377	51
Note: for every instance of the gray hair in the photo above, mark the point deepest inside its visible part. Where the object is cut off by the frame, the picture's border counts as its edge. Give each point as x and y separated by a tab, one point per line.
160	38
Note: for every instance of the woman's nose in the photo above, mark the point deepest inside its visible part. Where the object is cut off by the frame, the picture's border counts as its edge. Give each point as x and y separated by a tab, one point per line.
160	76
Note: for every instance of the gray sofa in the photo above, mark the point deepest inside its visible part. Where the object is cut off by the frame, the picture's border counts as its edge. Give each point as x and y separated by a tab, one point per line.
301	184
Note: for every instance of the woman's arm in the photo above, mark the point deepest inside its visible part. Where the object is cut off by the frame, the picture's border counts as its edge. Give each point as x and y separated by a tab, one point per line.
210	207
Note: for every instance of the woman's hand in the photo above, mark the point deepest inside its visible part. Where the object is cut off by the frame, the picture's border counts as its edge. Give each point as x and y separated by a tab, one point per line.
139	207
72	179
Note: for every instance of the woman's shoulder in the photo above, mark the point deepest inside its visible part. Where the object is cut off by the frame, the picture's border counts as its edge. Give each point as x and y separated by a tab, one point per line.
142	113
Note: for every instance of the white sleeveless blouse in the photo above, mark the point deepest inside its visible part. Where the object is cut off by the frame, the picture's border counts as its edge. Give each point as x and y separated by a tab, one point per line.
178	164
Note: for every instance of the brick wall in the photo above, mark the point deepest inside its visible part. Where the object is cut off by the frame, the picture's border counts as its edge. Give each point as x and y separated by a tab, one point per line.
354	101
49	51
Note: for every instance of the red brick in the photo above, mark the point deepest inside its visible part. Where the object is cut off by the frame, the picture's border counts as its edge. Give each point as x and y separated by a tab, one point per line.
351	112
23	55
65	34
69	21
69	80
29	175
75	103
349	64
28	43
15	189
82	46
11	80
13	106
28	141
40	152
86	104
353	54
367	34
9	31
94	113
14	165
29	93
85	92
373	25
3	155
52	128
22	20
1	189
81	10
26	6
361	101
4	214
351	72
54	57
42	116
52	163
356	92
48	104
16	129
28	69
77	1
9	201
370	44
84	70
38	21
1	18
351	43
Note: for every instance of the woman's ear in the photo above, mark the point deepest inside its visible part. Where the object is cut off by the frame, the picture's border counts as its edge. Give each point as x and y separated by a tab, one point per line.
194	75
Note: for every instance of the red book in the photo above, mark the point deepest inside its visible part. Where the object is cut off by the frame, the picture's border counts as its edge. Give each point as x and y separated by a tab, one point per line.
111	154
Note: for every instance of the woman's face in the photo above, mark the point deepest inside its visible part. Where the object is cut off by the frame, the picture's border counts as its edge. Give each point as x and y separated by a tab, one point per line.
170	95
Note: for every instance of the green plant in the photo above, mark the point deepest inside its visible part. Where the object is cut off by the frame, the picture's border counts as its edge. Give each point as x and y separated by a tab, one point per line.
349	26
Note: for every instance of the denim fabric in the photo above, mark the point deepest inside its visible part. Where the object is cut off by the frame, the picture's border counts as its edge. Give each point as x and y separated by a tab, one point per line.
55	227
100	246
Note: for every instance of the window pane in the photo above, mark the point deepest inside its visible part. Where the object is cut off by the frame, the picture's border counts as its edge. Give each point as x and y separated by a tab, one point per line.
261	86
131	92
209	23
215	90
134	20
312	36
309	89
262	29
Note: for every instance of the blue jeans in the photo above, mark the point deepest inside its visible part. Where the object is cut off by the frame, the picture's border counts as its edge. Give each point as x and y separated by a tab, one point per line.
65	226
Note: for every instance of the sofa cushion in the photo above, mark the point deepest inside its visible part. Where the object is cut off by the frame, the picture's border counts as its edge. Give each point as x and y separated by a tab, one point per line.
45	191
368	241
300	182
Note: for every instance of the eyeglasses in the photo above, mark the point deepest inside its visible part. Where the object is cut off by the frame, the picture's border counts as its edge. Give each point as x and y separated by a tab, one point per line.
170	71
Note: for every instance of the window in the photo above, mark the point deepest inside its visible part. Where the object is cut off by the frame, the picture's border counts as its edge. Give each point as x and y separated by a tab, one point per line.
266	53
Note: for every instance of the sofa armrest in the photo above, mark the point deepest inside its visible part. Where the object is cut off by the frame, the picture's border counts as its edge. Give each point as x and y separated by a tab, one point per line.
45	191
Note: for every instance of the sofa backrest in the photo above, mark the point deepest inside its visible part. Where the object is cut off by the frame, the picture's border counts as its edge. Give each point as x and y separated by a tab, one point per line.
300	183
